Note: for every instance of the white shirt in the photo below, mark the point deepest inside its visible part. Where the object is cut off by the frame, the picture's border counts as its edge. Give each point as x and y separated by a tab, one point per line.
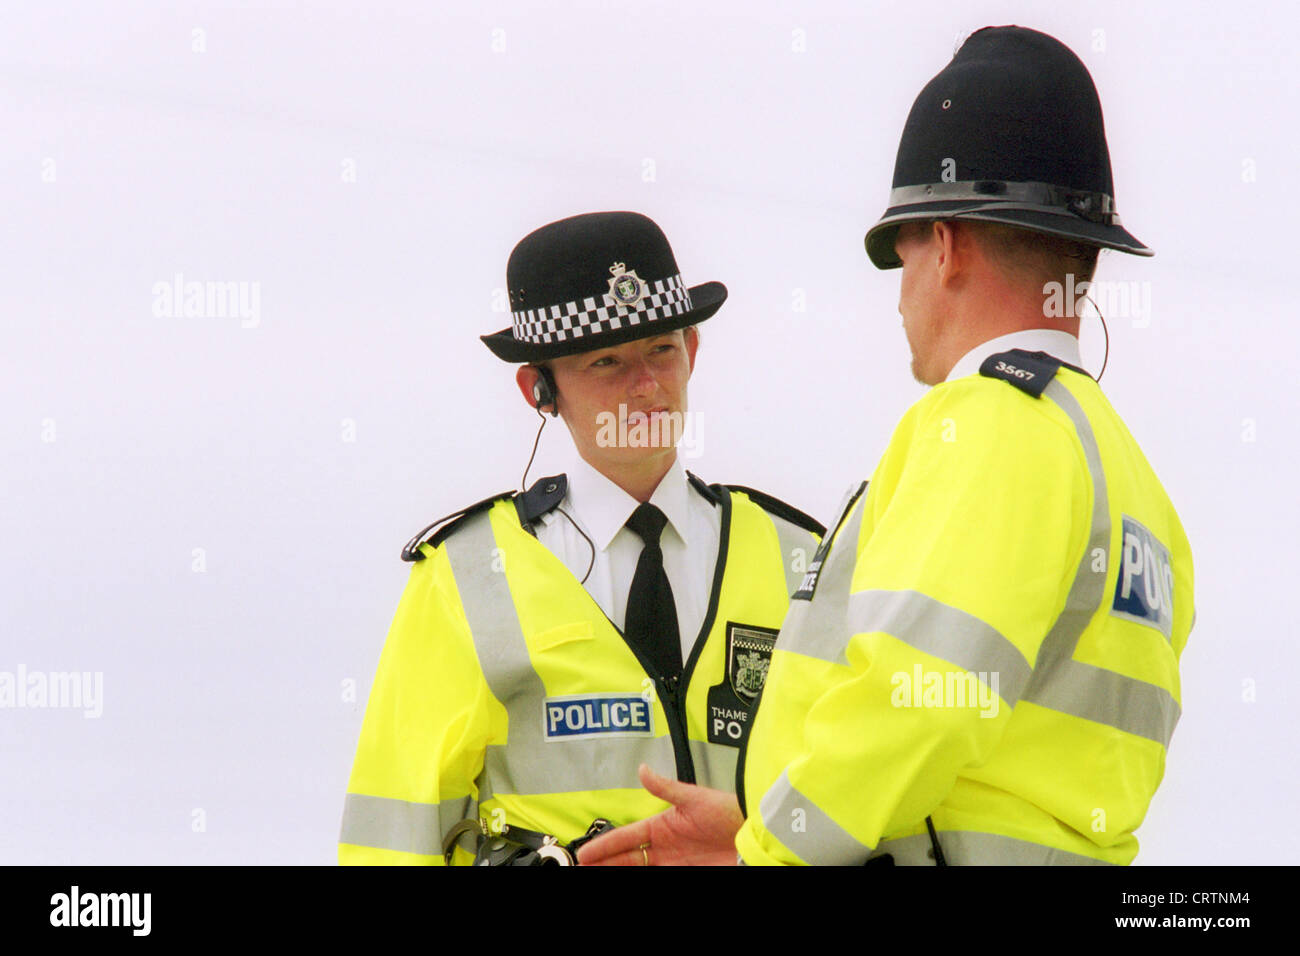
689	542
1061	345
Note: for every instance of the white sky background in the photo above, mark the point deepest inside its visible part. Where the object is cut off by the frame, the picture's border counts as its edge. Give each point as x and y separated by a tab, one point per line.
222	690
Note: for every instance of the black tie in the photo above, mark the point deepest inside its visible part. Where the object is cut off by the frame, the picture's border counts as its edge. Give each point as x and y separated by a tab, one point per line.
651	622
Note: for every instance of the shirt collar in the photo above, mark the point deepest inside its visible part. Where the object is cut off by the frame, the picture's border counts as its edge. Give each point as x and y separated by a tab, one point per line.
602	507
1058	344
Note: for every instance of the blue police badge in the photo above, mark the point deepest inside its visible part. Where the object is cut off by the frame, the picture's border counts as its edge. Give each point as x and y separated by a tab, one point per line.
625	288
597	715
1144	588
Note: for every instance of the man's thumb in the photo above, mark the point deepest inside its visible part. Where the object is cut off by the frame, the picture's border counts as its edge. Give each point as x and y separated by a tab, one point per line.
665	788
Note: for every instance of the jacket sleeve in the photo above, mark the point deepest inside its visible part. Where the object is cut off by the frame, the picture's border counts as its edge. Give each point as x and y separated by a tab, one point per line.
429	719
968	540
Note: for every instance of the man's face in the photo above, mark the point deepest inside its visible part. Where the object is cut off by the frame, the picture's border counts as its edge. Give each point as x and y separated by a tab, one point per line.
626	404
919	248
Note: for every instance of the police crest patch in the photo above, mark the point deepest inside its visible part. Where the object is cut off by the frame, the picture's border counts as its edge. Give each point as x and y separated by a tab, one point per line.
749	653
731	703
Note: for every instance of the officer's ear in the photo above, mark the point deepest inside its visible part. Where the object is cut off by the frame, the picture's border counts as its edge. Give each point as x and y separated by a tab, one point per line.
537	386
957	247
526	377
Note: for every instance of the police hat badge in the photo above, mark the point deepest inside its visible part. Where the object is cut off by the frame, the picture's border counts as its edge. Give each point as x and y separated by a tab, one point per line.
625	288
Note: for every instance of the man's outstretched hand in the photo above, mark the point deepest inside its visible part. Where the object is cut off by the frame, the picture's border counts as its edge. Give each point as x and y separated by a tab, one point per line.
699	829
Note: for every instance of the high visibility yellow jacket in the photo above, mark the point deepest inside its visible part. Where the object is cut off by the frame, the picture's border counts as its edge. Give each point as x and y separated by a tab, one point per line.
989	637
505	694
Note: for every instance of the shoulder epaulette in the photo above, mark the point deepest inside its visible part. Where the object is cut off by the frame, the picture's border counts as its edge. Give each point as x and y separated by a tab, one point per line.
544	495
1028	371
445	526
773	506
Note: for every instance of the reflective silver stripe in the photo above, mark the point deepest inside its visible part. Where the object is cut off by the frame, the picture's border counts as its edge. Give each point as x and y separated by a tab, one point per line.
1087	593
972	848
1106	697
806	829
1079	689
490	612
527	763
389	824
523	767
915	619
941	631
715	765
797	545
816	628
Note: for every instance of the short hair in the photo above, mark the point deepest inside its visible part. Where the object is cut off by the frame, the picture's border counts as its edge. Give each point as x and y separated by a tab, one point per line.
1035	257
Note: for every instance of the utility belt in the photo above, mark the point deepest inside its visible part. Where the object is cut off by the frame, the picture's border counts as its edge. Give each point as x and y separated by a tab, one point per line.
515	846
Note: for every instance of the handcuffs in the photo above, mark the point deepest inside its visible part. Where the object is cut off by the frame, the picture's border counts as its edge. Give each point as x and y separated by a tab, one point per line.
515	846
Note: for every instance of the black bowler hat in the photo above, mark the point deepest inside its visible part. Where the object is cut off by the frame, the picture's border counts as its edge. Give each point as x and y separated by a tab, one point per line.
1010	131
592	281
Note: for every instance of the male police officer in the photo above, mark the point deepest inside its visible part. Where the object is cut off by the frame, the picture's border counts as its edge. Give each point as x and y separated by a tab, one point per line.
982	664
550	642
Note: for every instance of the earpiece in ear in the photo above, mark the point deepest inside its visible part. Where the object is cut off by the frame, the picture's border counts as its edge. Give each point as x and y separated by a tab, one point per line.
544	391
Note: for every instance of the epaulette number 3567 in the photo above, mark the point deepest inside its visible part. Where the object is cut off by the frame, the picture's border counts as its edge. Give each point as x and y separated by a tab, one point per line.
1012	370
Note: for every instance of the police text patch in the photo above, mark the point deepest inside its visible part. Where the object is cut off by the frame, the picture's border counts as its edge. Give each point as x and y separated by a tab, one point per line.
597	715
1144	590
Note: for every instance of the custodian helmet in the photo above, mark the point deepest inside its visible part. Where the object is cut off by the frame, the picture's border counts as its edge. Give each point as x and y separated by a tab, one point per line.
1011	132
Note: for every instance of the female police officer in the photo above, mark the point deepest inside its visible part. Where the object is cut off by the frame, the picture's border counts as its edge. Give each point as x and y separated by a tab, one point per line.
551	641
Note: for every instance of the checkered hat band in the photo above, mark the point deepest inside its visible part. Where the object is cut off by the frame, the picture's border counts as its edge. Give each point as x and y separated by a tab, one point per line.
591	316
